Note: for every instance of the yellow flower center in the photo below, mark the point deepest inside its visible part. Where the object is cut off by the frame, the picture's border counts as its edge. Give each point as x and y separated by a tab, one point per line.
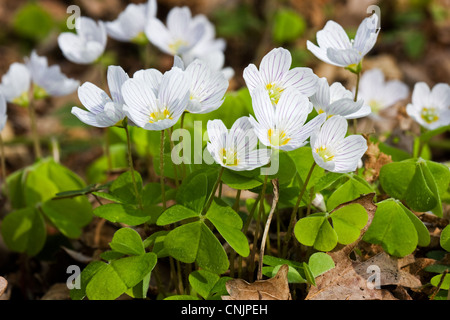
321	111
277	137
375	105
22	100
229	157
429	115
175	46
274	92
160	115
325	153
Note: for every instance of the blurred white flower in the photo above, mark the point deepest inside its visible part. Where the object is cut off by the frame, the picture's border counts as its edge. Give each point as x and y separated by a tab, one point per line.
15	84
336	100
337	49
87	45
207	86
333	151
103	111
130	24
319	202
379	93
274	75
48	80
155	101
431	109
181	34
283	127
3	115
235	149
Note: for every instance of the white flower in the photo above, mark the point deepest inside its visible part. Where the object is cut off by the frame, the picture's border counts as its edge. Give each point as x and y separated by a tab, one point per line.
431	109
103	111
207	87
332	150
155	101
283	127
181	34
336	100
379	93
235	149
15	84
3	115
50	79
274	75
337	49
87	45
131	23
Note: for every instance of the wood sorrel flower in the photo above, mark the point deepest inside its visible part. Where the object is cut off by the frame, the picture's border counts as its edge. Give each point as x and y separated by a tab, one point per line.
431	109
87	45
180	35
283	127
235	149
155	101
379	93
336	100
274	75
130	24
16	84
207	86
48	80
332	150
103	111
3	115
337	49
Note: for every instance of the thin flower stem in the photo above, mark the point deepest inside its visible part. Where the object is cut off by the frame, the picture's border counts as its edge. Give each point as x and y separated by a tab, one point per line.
358	76
288	234
245	229
107	150
175	170
258	222
161	169
183	166
130	164
3	165
233	252
36	142
266	228
213	192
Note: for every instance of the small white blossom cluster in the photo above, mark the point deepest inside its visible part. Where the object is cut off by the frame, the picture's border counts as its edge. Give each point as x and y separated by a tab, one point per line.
292	106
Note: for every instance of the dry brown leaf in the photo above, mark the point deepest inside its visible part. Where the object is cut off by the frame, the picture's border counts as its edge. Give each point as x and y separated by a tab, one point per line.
375	159
276	288
349	279
3	285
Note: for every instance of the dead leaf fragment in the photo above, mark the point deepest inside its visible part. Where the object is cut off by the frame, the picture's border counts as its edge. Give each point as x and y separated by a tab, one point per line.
375	160
3	285
354	280
276	288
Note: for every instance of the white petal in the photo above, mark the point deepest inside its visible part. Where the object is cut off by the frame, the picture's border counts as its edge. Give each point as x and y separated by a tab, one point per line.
252	77
320	53
366	35
140	101
158	35
333	36
421	95
242	137
345	57
349	152
321	99
90	118
291	111
302	79
440	96
116	77
217	133
152	77
92	97
174	91
345	107
263	108
15	82
332	131
274	65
